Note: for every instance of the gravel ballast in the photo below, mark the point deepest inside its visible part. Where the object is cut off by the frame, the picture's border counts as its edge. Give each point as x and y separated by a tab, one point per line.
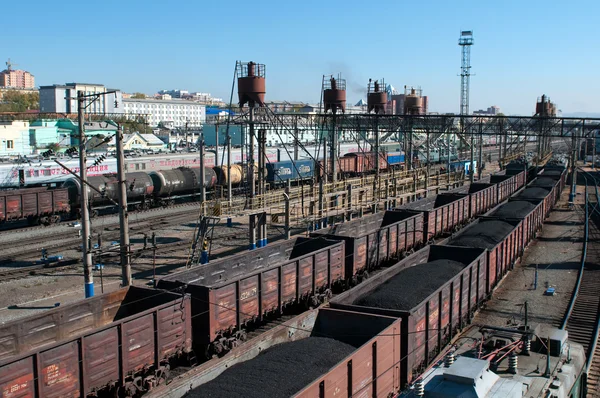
410	287
514	209
534	193
280	371
483	235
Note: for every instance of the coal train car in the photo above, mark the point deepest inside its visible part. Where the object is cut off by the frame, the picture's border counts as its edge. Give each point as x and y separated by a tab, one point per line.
375	240
320	358
434	292
235	292
122	341
36	205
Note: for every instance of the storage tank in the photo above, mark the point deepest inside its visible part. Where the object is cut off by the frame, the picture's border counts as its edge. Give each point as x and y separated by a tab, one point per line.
334	94
251	84
376	96
413	101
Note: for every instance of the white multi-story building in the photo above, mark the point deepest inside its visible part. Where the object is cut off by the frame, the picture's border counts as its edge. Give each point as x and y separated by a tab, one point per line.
60	98
175	113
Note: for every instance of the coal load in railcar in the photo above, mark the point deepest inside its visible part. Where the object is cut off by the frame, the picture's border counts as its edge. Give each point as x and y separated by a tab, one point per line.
434	291
280	371
323	359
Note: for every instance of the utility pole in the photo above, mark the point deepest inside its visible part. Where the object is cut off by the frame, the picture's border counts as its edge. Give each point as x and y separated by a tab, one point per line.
123	214
202	179
229	195
480	161
85	211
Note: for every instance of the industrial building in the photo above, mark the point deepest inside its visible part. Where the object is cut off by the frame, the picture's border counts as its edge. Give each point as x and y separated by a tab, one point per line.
62	98
168	113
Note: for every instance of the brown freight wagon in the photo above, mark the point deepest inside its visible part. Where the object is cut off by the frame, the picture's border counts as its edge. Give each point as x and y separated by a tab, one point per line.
503	240
34	204
429	325
231	294
558	173
120	340
482	197
376	239
508	184
447	212
370	368
546	194
520	176
532	217
548	183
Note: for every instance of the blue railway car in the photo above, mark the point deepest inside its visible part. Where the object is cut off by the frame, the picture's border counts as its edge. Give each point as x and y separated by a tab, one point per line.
394	158
463	165
281	172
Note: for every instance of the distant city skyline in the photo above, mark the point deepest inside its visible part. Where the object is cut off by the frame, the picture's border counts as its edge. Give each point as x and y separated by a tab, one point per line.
522	49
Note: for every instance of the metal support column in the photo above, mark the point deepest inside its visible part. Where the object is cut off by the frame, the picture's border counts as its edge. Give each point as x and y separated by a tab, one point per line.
333	150
229	193
252	231
377	171
251	160
85	211
262	184
427	165
286	196
471	171
124	245
480	160
202	177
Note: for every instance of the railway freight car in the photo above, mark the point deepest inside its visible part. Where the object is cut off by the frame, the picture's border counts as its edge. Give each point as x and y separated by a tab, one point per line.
530	212
320	358
482	197
36	205
279	173
502	240
238	292
443	214
120	341
434	292
375	240
546	194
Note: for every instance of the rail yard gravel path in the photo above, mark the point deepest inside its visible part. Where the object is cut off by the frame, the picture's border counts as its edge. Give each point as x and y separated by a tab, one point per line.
280	371
410	287
556	255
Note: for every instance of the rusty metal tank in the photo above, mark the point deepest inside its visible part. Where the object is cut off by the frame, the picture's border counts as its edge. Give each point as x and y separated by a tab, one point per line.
251	84
334	95
139	185
223	173
376	97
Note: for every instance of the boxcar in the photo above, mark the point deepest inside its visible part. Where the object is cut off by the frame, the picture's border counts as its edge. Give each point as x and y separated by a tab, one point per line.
447	212
503	240
34	204
122	339
281	172
376	239
440	310
231	294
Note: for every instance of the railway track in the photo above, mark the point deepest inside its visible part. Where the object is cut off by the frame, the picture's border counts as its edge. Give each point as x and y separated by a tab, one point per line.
583	321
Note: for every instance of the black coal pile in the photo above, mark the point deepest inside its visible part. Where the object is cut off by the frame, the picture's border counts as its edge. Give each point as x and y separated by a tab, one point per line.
552	172
534	193
544	182
280	371
514	209
410	287
483	235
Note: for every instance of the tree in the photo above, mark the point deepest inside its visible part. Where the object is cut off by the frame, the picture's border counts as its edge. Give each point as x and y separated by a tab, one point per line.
139	96
16	101
54	147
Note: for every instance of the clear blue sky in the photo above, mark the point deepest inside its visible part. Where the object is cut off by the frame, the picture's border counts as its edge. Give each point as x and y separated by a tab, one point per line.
522	48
